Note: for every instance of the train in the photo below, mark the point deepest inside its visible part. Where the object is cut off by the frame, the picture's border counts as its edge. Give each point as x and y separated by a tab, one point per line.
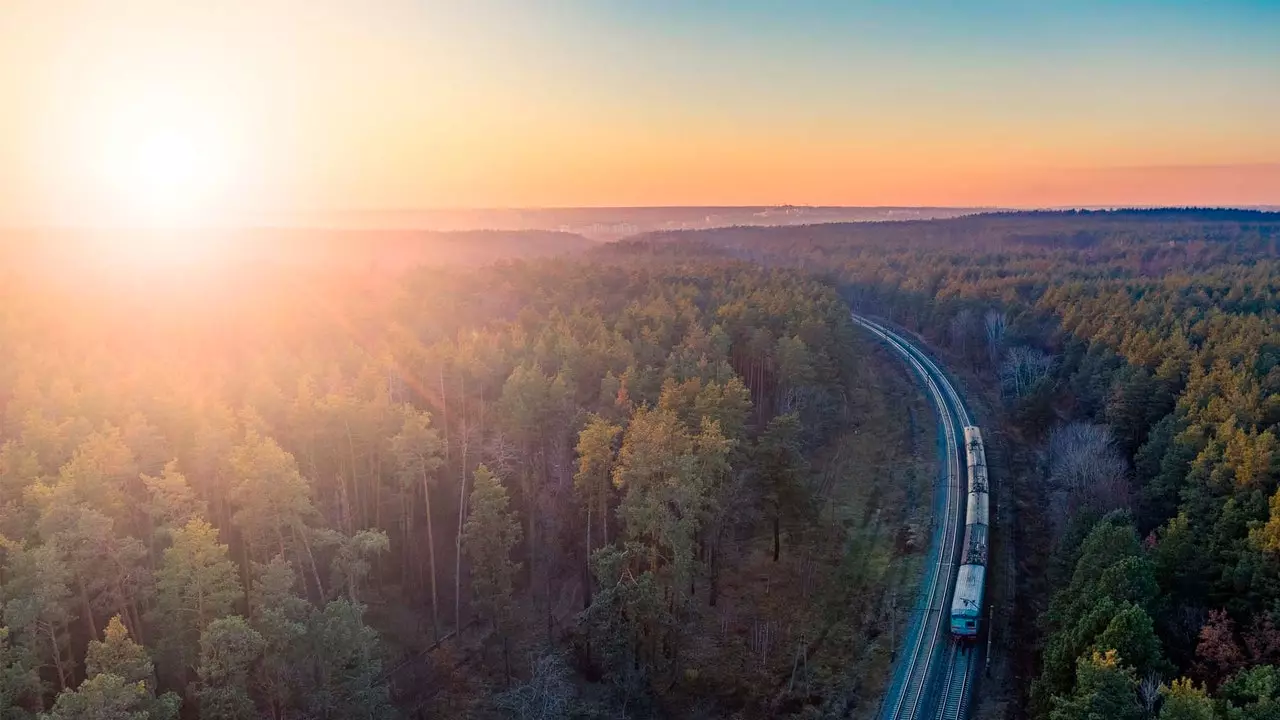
966	602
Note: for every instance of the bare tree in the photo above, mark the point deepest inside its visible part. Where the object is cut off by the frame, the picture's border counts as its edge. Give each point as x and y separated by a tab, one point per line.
995	321
501	454
548	694
1149	692
1023	368
960	331
1085	470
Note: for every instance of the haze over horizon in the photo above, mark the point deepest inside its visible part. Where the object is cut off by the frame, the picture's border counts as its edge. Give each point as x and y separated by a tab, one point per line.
281	107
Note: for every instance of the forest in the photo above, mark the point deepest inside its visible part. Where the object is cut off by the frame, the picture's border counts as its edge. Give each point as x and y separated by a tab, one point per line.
308	490
541	487
1132	359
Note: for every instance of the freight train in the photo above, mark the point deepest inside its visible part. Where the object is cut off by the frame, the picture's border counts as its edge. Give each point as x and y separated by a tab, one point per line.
966	603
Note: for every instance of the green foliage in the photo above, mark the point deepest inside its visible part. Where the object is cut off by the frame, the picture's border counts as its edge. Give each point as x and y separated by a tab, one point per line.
117	654
1132	634
779	463
270	495
102	697
352	557
594	481
120	684
631	618
341	659
1166	326
280	618
488	537
1184	701
417	447
595	460
1253	694
173	502
228	650
37	608
295	657
669	476
196	584
1104	690
417	450
1105	608
19	680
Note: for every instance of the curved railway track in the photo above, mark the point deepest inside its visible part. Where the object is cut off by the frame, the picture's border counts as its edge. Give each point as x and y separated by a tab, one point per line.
934	676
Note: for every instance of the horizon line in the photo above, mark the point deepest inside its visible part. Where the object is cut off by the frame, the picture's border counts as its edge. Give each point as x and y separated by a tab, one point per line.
299	223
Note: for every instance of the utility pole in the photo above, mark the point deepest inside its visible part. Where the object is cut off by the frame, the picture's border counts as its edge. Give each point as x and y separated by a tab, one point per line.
986	664
893	625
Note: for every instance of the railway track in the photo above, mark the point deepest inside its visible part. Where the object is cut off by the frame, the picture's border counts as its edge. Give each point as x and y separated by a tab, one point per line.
933	678
953	704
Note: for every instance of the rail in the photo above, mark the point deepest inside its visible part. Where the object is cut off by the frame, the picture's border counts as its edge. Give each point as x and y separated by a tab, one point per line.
955	698
907	698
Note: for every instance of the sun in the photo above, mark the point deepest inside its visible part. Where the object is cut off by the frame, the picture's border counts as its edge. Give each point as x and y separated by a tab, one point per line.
167	175
164	165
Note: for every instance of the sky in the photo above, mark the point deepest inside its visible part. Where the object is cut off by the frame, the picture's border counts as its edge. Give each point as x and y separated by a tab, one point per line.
283	106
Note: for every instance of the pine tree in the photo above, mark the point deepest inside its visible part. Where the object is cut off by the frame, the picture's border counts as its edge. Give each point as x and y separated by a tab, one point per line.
669	477
778	462
342	662
118	654
20	684
228	649
102	697
593	480
38	607
417	449
280	617
352	555
196	584
173	503
1104	691
490	534
274	508
1132	634
120	684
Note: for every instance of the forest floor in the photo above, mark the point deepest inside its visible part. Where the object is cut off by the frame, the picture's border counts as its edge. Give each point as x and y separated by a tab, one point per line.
819	627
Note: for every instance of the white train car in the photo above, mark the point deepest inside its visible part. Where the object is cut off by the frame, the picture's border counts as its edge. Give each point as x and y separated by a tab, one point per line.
966	603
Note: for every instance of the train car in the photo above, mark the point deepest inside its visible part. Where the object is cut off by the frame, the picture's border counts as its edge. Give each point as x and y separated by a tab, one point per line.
966	602
973	449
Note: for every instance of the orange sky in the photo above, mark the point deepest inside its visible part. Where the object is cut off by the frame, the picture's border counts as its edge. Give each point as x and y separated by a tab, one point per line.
339	104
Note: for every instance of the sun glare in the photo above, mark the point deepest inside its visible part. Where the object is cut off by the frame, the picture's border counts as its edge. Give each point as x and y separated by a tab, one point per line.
166	176
163	166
